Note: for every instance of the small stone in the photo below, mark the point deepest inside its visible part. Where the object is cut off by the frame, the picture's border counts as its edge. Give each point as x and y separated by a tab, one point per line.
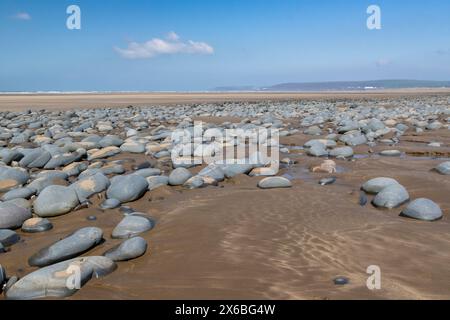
35	225
444	168
128	250
274	182
91	218
327	181
340	281
391	153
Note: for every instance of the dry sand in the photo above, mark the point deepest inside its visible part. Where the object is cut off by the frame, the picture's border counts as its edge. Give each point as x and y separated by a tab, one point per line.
236	241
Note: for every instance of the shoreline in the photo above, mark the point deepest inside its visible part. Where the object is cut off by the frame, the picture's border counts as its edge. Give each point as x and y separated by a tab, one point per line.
64	101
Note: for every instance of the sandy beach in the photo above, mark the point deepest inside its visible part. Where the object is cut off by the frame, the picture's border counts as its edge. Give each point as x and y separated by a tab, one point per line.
237	241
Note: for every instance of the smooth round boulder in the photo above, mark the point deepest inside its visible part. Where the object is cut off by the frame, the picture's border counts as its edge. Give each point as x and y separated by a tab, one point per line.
234	169
36	225
12	216
423	209
274	182
179	176
130	226
54	201
375	185
91	185
73	245
127	250
127	188
214	171
194	183
154	182
52	281
391	197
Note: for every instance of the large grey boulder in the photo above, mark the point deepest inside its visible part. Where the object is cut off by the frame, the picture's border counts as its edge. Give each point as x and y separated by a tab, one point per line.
127	188
54	201
60	280
423	209
74	245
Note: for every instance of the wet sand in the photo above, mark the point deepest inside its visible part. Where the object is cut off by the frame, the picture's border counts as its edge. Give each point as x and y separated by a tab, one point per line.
236	241
20	102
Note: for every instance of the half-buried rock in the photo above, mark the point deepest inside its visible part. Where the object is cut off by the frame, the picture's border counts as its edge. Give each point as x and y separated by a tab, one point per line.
67	248
131	226
55	200
36	225
127	250
59	280
274	182
374	186
127	188
423	209
391	197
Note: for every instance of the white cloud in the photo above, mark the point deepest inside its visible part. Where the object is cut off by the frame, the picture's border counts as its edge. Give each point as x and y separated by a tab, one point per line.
171	45
22	16
382	62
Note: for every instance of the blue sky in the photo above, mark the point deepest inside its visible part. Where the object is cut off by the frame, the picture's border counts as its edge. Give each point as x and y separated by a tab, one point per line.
234	42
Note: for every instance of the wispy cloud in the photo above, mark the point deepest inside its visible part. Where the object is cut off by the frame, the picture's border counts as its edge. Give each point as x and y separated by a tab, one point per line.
443	52
22	16
172	44
382	62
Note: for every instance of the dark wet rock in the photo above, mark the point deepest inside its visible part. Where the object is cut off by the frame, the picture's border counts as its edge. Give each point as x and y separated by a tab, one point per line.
74	245
391	197
51	281
179	176
89	186
110	204
24	193
375	185
327	181
274	182
8	237
130	226
154	182
12	216
341	281
362	199
128	250
36	225
91	218
2	277
423	209
55	200
127	188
